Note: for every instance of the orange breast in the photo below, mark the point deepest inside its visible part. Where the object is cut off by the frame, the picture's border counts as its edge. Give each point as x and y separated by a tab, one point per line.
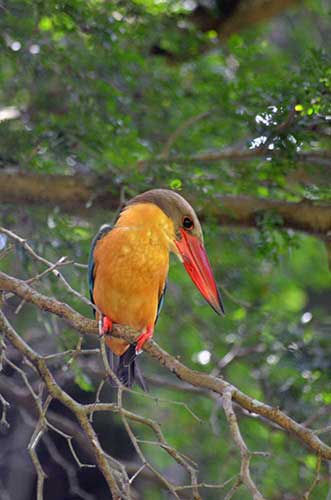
131	266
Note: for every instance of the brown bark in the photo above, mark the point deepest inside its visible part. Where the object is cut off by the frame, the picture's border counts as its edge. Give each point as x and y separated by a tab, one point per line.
252	12
245	211
226	21
78	193
195	378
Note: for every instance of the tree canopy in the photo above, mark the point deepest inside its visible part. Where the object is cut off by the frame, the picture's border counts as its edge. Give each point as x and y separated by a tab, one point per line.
228	103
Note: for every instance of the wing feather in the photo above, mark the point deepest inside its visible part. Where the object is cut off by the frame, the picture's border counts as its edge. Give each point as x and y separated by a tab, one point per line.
161	301
100	234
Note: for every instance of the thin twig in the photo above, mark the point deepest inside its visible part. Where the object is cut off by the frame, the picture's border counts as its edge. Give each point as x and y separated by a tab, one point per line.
136	446
179	130
215	486
201	380
240	443
69	439
71	352
32	448
322	430
68	468
234	488
51	266
316	480
63	261
56	392
97	396
5	405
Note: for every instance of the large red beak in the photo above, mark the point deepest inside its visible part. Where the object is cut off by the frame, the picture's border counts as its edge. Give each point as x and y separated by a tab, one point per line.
197	265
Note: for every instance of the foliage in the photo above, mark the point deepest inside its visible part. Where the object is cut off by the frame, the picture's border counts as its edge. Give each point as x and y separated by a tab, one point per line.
91	98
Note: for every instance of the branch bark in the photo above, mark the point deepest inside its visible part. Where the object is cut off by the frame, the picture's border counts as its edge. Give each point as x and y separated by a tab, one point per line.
83	193
193	377
244	15
254	12
57	393
245	454
226	19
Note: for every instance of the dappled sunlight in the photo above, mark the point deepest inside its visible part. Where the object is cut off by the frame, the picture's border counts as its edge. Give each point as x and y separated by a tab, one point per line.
229	105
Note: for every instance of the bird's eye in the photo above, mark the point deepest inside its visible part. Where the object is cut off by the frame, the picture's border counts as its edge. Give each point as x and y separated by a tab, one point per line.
188	223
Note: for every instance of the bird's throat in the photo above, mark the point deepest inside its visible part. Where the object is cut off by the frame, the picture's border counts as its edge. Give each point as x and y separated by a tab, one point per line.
152	220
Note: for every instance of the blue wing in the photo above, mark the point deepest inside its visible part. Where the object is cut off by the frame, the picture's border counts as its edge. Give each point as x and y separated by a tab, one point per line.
161	302
101	233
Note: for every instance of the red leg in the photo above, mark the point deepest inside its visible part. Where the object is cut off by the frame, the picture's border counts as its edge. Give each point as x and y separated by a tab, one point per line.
148	334
105	325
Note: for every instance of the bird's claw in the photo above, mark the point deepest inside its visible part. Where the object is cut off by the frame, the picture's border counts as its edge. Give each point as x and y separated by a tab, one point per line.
148	334
105	326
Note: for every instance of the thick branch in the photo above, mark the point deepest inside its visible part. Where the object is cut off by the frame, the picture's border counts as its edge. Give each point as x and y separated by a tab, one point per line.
243	15
254	12
247	210
193	377
78	193
226	18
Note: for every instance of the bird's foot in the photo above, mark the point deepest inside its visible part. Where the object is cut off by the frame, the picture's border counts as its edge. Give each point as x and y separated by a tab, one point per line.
146	335
105	325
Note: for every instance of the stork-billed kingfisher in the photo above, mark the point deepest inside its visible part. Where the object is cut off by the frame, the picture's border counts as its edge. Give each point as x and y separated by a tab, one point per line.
128	267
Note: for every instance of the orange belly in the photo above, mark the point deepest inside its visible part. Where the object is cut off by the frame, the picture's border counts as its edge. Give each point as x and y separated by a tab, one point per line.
131	266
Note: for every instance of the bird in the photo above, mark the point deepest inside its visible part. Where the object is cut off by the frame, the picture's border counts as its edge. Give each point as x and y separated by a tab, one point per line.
128	267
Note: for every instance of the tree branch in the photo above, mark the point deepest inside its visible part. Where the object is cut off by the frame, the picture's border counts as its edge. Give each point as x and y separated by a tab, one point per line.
57	393
80	192
243	15
240	443
193	377
226	18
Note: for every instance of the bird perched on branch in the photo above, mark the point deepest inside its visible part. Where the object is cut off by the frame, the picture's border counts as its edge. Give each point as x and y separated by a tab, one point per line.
128	267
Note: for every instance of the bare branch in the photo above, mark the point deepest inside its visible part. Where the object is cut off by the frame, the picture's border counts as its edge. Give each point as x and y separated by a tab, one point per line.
323	430
161	441
240	443
207	485
114	472
51	267
323	410
316	480
68	468
5	405
56	392
24	291
195	378
179	130
233	489
32	447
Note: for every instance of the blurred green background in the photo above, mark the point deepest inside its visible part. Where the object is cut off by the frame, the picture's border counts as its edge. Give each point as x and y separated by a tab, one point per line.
100	90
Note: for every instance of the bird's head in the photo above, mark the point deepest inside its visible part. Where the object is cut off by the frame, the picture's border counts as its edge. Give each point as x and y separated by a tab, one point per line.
188	242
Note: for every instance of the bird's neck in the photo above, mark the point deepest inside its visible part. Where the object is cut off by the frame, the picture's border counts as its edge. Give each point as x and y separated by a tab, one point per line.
150	218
